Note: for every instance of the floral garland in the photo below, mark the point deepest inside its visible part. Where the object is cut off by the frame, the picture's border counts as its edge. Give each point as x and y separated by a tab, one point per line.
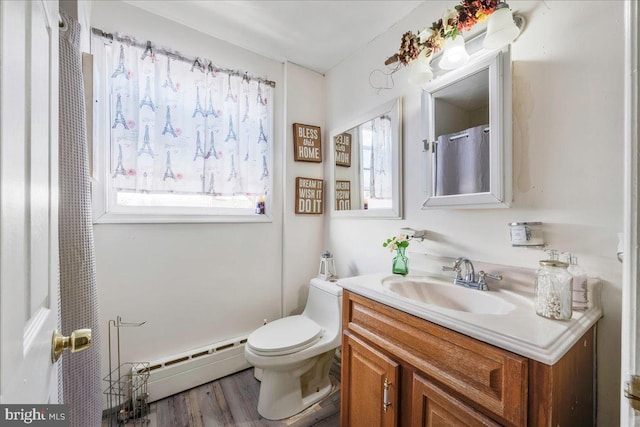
430	40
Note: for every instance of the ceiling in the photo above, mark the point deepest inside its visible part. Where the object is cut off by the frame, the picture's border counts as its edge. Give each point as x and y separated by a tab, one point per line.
314	34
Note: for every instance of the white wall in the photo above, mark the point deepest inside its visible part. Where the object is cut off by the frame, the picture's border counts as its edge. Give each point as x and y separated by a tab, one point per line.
303	234
194	284
567	160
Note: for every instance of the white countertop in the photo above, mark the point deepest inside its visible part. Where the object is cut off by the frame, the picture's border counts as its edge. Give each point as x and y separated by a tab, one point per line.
520	331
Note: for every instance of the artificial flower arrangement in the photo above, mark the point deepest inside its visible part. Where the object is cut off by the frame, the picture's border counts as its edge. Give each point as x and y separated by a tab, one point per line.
399	241
431	40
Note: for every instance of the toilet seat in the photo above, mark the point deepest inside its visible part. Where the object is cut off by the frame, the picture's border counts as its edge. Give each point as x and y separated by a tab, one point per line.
284	336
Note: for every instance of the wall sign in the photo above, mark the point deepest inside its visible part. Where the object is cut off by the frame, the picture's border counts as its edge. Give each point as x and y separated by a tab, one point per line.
343	195
343	149
309	195
307	144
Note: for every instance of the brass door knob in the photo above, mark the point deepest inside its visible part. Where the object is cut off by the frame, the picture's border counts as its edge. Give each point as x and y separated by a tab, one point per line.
79	340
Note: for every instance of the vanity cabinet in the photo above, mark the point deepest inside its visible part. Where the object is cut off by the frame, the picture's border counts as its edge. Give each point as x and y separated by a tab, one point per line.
435	376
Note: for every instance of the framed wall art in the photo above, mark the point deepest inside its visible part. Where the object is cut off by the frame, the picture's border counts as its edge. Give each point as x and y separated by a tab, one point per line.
309	195
307	143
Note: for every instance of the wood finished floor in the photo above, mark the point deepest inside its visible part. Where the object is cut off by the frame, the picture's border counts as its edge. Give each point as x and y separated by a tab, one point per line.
233	401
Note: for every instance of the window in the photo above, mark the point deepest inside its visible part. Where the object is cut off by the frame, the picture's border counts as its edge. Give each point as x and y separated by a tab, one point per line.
178	139
375	137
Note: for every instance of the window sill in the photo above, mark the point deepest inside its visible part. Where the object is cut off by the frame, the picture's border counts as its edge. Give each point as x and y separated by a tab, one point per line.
127	218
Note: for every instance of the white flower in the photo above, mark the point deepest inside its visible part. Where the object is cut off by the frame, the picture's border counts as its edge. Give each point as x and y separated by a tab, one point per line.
425	34
448	15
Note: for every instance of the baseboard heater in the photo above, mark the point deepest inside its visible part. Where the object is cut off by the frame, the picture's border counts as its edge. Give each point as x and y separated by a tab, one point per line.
190	369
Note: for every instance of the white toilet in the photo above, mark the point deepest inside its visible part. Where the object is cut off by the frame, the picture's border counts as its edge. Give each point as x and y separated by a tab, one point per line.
292	356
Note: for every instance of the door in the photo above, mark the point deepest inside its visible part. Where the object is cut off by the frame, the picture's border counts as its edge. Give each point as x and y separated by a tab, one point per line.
28	199
630	348
369	385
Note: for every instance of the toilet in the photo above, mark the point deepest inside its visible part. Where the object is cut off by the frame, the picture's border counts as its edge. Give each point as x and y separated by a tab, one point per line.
292	356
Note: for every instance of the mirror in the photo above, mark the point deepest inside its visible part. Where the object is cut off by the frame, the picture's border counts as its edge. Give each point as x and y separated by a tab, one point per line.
466	117
365	165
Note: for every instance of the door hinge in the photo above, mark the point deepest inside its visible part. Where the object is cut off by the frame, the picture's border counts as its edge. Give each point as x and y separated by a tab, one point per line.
385	397
632	391
428	146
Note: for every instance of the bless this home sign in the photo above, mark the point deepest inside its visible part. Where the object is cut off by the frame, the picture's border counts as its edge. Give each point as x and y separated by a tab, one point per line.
307	143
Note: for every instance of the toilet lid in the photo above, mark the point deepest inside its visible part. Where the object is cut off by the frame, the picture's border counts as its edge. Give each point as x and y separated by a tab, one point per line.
284	336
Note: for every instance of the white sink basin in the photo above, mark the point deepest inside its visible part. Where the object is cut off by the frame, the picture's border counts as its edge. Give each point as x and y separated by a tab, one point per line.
447	295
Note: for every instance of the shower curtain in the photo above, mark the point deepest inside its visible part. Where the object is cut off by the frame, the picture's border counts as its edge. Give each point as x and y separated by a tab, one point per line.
462	162
80	372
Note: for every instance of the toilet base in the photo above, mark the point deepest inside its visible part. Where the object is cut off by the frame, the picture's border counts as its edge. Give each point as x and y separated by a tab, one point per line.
257	373
284	393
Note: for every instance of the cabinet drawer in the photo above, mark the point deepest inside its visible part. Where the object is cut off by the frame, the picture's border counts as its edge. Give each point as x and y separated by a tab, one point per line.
432	407
489	379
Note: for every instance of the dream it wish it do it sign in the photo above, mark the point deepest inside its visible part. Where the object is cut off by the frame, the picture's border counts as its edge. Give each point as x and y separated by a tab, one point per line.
307	143
309	195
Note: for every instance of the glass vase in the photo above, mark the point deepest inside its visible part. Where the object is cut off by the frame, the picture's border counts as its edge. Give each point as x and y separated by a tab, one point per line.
400	262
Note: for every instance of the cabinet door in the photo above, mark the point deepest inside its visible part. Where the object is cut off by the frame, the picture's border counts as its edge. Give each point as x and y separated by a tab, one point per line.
433	407
369	385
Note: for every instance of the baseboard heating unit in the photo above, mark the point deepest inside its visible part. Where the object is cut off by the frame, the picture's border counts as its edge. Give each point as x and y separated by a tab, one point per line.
190	369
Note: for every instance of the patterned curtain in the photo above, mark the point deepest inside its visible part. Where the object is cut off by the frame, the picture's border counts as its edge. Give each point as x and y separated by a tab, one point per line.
80	372
186	128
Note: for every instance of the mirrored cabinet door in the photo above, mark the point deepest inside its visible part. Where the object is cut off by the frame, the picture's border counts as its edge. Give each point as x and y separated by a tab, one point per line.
365	166
466	118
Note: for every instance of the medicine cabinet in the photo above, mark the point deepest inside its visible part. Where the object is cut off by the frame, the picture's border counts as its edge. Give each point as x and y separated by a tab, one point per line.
466	120
365	164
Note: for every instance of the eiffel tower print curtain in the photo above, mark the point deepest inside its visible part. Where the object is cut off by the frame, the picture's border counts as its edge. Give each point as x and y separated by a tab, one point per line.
186	127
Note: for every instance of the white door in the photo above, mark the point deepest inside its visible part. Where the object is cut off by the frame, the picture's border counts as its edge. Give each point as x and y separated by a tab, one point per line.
28	199
630	363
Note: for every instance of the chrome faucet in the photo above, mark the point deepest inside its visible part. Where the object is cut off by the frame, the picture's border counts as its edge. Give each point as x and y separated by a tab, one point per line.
469	280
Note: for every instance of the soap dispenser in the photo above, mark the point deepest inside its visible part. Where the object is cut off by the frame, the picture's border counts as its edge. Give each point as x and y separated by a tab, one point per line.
579	279
552	255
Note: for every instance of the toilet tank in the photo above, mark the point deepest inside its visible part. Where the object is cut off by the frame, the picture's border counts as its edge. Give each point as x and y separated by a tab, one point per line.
324	304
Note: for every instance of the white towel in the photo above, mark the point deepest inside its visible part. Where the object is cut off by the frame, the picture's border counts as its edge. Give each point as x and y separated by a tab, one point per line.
462	162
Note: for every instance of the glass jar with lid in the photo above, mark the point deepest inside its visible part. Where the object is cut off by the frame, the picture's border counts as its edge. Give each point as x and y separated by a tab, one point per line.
553	293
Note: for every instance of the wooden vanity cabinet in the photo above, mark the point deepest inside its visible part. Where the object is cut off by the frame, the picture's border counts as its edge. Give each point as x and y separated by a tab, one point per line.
434	376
